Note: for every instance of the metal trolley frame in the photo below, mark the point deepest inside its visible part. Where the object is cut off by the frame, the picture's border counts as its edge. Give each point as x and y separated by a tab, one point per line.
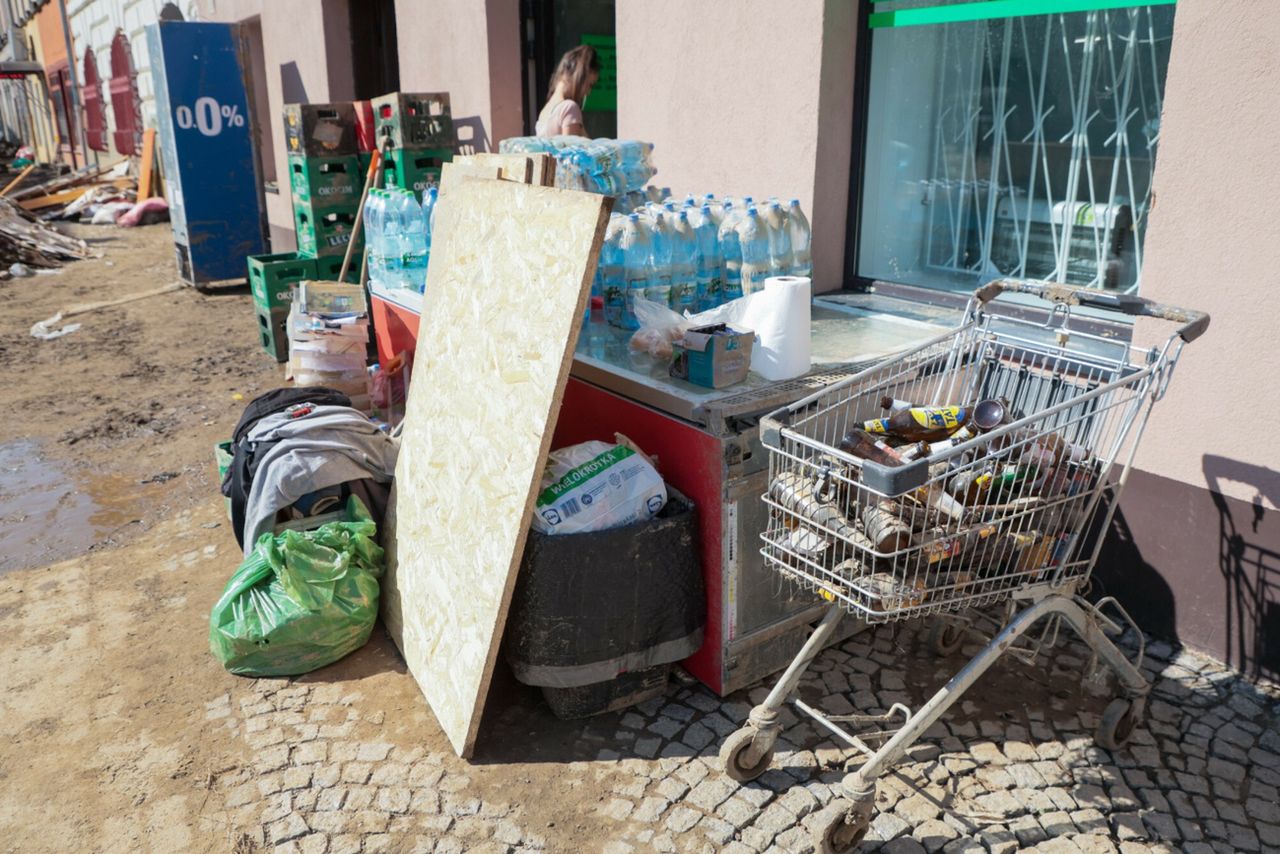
887	544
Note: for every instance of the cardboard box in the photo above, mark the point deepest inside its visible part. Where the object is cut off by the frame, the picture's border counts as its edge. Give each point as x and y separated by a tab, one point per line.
713	356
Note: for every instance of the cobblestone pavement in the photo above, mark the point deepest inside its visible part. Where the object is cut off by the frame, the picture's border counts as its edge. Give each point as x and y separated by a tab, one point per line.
1011	767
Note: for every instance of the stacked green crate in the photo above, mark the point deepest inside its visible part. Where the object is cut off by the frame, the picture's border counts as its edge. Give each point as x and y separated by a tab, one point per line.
419	130
324	177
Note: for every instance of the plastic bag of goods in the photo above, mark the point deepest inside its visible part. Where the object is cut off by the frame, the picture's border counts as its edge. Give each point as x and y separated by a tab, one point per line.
301	599
597	485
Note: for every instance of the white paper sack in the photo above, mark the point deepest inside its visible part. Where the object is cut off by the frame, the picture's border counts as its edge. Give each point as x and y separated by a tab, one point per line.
595	486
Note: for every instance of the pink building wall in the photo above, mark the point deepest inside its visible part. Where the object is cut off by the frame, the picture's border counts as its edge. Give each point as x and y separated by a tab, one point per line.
760	102
471	49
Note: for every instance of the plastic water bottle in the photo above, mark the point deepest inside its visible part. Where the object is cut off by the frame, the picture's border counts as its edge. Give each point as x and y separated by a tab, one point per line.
684	265
753	236
781	260
429	197
636	251
613	276
413	241
710	275
392	228
731	252
374	223
801	237
662	241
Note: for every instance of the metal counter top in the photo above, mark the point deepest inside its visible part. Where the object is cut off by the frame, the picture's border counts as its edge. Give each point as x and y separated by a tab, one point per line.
846	337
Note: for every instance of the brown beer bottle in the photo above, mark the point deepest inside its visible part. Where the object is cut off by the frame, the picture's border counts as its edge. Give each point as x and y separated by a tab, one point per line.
862	444
935	423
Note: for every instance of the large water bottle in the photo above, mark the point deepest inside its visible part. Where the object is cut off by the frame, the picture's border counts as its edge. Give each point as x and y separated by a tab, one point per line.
637	256
801	238
731	252
710	263
684	265
375	240
429	197
781	260
413	241
392	241
613	278
753	236
662	242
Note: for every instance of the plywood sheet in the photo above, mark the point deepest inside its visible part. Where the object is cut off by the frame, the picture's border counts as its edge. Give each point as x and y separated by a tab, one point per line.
453	174
511	267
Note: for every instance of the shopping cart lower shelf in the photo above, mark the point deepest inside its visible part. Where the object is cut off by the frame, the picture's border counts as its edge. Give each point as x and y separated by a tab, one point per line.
1078	416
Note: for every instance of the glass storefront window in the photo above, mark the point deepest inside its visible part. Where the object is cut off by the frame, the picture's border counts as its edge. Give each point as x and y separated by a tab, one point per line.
1011	146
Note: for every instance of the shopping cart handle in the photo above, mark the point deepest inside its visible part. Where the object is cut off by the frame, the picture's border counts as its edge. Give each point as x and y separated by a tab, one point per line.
1194	323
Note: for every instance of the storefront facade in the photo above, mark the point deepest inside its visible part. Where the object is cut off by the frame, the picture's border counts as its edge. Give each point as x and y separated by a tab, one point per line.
937	145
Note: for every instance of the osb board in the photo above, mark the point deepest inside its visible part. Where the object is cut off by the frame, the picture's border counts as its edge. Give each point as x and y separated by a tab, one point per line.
514	167
453	174
488	377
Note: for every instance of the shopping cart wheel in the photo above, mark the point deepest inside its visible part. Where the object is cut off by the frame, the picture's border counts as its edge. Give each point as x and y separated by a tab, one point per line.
736	752
1120	719
840	828
946	637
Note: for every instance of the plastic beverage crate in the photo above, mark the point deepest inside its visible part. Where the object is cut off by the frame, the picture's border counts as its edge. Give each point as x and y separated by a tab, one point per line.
326	183
323	233
320	130
416	169
273	335
414	120
272	277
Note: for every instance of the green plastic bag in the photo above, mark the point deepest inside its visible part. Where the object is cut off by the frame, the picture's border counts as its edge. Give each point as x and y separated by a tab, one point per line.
301	599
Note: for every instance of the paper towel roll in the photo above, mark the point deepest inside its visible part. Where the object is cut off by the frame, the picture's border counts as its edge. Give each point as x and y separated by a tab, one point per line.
779	315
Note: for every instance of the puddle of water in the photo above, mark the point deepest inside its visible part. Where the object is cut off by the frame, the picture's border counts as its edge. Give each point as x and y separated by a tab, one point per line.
47	514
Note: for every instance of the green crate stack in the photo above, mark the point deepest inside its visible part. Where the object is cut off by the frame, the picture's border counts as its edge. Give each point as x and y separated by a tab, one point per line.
326	183
416	169
329	266
273	277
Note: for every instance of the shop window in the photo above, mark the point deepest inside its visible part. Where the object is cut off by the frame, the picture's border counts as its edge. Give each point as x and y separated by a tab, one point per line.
1010	146
95	120
126	106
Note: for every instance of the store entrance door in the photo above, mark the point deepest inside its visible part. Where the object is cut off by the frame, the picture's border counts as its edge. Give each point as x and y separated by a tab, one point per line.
552	27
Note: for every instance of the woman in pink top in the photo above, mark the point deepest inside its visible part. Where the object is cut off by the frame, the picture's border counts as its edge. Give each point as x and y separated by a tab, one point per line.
578	71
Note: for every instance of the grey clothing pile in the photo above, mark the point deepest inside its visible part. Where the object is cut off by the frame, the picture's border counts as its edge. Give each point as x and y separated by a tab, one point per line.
328	446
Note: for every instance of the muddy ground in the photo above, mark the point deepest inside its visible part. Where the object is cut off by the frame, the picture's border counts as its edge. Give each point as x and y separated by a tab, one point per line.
114	545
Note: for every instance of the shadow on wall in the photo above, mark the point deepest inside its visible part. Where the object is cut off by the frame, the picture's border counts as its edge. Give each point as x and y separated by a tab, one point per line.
471	136
292	89
1122	572
1249	569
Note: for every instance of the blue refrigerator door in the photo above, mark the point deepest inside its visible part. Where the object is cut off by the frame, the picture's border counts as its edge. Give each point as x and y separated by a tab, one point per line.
206	140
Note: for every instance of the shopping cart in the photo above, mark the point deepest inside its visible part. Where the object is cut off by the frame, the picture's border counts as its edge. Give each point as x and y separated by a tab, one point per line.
1007	521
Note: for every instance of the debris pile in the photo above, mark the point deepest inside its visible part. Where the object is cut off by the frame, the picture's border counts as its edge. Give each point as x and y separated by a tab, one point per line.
24	239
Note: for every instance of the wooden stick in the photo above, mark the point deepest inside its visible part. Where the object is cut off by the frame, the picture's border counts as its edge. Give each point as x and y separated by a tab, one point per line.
369	179
24	173
148	164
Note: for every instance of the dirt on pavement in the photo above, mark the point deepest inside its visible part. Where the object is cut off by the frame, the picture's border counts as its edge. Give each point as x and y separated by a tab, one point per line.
114	545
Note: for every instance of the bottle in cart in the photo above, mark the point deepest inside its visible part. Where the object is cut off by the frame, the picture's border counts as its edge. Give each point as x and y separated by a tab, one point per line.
801	237
935	423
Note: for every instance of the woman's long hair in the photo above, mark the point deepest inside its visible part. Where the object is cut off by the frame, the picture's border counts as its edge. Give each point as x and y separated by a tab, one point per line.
575	70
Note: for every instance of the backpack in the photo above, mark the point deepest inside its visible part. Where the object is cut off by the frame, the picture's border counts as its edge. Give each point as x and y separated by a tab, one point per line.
245	454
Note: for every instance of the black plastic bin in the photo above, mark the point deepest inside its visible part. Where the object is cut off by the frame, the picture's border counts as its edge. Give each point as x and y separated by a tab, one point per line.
598	618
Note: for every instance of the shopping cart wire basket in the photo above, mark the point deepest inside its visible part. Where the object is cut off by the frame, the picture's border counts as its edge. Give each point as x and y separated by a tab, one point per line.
1004	516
